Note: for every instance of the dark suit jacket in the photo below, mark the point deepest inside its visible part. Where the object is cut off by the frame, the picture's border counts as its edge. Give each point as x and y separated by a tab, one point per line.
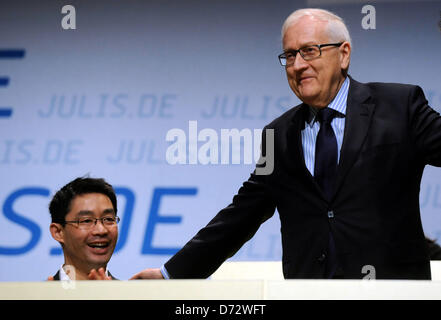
57	276
390	135
434	249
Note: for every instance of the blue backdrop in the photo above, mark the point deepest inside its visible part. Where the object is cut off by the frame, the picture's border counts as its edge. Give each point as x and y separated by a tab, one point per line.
100	99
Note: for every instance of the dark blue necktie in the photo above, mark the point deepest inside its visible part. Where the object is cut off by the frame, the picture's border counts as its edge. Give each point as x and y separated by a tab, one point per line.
325	170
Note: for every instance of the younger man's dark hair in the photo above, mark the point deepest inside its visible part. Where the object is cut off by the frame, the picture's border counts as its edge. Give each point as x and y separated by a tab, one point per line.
60	204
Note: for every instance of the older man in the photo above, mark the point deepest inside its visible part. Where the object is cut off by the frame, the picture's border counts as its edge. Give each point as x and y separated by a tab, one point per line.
348	166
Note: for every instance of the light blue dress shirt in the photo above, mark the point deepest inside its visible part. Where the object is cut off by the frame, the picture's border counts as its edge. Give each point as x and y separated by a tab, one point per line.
309	133
312	126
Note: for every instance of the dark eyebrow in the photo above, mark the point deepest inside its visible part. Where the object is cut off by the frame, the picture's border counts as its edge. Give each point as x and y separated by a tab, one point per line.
85	213
90	213
110	210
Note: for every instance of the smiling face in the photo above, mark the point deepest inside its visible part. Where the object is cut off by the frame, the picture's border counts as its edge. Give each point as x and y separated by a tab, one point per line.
87	249
315	82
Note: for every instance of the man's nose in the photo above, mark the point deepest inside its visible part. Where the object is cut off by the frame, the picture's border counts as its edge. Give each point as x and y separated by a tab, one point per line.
299	63
99	227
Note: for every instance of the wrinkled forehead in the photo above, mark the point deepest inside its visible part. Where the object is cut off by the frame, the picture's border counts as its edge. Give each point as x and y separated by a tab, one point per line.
305	31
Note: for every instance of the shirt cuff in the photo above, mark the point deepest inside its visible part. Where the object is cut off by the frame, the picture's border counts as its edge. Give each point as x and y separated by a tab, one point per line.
164	272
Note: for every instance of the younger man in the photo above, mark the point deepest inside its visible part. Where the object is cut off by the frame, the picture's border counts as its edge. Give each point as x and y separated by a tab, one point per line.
84	222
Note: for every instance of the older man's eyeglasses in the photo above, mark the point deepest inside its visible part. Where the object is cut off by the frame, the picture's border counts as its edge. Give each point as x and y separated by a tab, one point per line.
308	53
89	222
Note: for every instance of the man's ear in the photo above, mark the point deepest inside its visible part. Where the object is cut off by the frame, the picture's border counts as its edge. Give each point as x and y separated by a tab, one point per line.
57	232
345	55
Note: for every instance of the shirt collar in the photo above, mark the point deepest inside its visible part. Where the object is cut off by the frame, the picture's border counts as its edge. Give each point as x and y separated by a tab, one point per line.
338	104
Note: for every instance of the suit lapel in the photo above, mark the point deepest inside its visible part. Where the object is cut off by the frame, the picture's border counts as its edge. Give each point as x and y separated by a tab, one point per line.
358	119
296	147
294	137
111	276
57	276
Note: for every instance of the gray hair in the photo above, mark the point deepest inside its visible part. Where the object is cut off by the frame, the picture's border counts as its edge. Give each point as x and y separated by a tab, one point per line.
336	28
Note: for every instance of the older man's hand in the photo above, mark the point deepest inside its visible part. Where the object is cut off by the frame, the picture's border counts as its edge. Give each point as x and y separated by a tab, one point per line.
152	273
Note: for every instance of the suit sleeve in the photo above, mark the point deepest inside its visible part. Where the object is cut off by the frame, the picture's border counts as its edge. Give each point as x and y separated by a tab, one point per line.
426	125
225	234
